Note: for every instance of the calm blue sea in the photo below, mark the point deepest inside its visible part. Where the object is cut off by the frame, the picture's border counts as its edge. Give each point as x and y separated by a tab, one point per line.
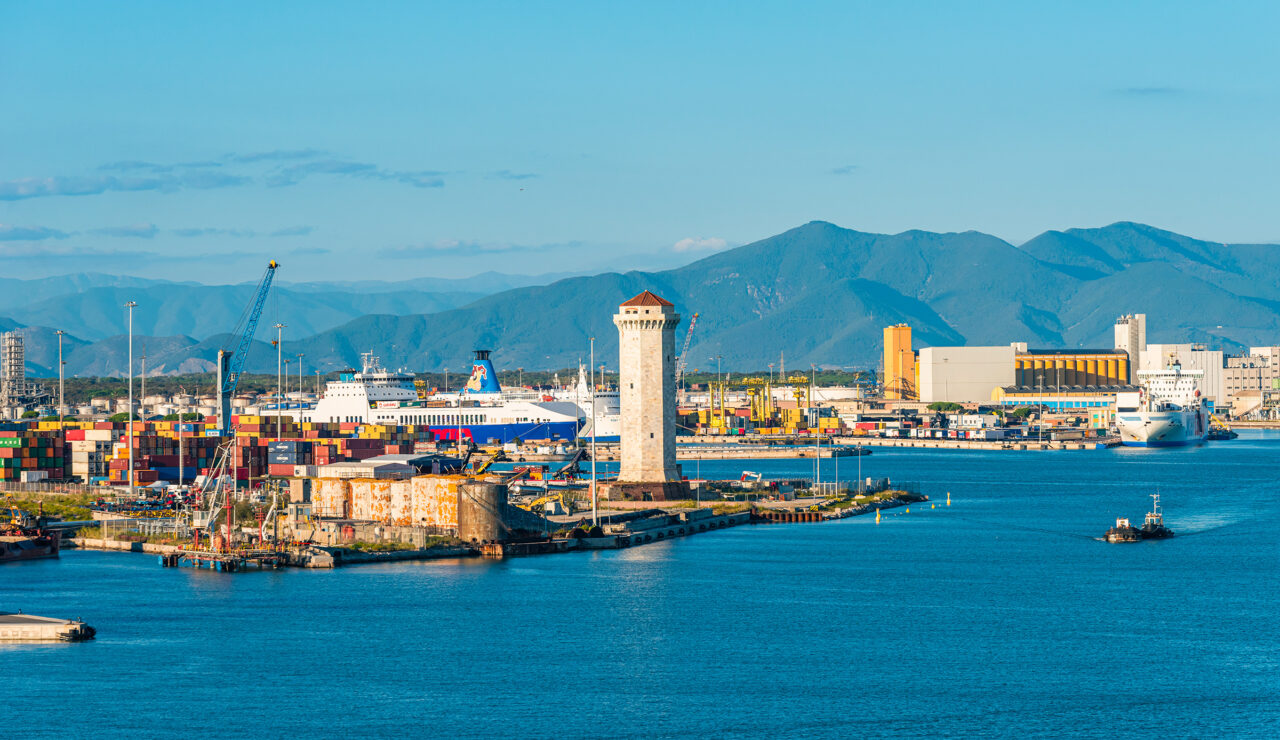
996	616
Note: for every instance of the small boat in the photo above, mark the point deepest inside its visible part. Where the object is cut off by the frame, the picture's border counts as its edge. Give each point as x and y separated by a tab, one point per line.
849	451
1123	532
1152	527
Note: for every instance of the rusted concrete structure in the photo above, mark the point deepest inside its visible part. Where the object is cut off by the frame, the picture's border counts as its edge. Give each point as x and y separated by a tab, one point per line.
471	508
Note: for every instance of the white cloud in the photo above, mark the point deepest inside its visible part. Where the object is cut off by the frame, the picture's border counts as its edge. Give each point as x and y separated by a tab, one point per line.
693	244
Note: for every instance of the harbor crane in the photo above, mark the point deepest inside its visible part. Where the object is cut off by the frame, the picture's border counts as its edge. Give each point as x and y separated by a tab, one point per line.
683	361
231	358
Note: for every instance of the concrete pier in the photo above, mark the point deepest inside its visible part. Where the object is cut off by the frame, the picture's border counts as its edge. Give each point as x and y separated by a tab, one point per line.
30	628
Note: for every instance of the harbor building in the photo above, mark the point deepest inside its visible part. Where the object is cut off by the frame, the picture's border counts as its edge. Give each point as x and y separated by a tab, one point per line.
1131	338
899	364
647	393
1191	357
965	374
1071	368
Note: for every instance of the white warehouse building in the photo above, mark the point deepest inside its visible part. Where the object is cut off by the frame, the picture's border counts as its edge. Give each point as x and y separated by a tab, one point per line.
1213	386
965	374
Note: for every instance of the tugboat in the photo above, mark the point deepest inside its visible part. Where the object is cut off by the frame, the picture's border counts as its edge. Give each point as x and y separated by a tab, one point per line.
1152	527
25	538
1123	532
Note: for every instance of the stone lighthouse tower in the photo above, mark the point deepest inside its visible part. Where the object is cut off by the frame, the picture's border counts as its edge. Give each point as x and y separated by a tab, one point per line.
647	392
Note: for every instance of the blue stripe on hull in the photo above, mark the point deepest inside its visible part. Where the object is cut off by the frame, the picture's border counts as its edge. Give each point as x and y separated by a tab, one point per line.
504	433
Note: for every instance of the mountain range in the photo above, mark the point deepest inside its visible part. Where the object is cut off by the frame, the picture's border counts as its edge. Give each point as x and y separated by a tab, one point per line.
819	293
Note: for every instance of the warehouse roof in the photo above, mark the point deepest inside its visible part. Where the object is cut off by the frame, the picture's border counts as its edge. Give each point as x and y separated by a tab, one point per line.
1073	352
421	462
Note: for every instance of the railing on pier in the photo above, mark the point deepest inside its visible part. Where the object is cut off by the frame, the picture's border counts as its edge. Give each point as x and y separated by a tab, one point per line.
52	489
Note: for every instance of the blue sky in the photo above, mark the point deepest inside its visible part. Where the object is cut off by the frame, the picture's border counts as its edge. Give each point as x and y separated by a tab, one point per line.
383	140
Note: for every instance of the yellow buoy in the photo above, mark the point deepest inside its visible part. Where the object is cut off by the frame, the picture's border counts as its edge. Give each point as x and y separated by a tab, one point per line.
908	511
877	516
933	506
948	498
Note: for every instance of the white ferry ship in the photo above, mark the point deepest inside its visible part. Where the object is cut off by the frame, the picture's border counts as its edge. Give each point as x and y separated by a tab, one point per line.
1167	411
375	395
608	408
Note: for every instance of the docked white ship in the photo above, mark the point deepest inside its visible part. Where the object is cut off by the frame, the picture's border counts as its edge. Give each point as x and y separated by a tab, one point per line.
1167	411
375	395
601	403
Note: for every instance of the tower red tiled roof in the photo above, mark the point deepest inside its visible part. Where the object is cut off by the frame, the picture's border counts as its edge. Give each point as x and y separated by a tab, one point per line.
648	299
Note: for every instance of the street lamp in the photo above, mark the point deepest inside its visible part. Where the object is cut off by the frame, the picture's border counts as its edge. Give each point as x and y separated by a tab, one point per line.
279	327
62	397
770	373
446	380
521	371
300	356
595	509
130	305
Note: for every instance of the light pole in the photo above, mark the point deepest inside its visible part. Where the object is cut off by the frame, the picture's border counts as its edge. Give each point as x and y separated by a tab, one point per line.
1040	408
595	507
521	371
300	356
130	305
62	397
770	373
446	380
279	327
317	386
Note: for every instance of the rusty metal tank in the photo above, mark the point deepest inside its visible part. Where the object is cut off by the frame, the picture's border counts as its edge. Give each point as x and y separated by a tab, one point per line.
481	508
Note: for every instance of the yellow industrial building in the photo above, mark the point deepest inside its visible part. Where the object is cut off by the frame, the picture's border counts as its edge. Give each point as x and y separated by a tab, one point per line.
1050	368
899	363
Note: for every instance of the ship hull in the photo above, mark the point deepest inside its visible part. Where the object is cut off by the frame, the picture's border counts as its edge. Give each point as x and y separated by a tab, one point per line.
504	433
14	549
1182	428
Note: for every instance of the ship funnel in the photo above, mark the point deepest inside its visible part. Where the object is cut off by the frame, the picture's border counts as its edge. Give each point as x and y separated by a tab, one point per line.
483	378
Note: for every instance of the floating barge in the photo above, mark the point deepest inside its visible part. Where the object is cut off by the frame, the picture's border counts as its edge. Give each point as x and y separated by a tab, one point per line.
30	628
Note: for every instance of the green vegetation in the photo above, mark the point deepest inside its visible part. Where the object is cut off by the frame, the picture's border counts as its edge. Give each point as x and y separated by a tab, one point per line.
945	406
864	499
81	389
124	535
29	414
431	542
69	507
183	417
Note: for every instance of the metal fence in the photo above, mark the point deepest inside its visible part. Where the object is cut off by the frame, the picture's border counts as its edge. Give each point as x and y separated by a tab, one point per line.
52	489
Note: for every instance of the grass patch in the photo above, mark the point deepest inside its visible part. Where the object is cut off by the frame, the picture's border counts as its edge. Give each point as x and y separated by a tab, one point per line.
431	542
69	507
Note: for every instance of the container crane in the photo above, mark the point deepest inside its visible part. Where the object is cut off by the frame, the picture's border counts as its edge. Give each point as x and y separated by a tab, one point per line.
231	359
683	361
